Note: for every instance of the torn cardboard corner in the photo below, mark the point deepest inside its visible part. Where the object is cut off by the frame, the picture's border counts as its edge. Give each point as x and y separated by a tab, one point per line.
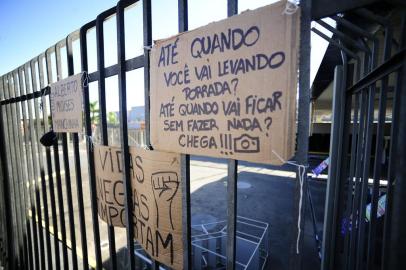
66	104
156	194
228	89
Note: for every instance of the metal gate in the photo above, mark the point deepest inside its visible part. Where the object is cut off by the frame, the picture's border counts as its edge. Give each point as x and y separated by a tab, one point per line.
36	237
362	173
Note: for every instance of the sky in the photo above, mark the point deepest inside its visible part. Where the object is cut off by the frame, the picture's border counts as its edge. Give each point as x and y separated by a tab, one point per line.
28	28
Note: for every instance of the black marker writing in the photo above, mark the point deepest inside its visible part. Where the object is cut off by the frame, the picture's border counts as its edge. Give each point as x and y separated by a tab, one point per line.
231	107
204	73
233	39
254	105
205	108
202	125
259	61
197	141
247	124
168	54
207	90
167	109
177	78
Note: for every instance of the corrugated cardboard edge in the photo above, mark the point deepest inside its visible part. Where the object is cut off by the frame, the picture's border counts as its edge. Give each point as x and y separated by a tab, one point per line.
294	25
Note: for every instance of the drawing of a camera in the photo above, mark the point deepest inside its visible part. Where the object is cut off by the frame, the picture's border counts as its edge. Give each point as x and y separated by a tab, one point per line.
246	144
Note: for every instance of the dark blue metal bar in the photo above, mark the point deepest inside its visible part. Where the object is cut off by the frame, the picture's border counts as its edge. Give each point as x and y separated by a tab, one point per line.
345	182
15	174
79	189
103	114
366	163
332	185
39	165
88	128
183	26
396	258
147	32
303	131
378	154
361	131
38	237
12	158
393	154
43	183
21	188
232	174
71	216
23	173
351	177
31	235
147	42
343	37
58	175
10	255
48	126
124	130
68	183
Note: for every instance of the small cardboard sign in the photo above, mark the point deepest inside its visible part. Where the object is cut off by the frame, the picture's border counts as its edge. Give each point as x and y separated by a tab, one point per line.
228	89
157	199
109	184
66	104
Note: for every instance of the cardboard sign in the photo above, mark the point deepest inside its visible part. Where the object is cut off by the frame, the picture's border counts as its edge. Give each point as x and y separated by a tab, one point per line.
157	199
228	89
66	104
109	184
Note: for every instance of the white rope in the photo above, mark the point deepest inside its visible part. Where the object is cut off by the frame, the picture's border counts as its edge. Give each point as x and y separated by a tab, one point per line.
148	48
299	218
301	172
291	7
134	141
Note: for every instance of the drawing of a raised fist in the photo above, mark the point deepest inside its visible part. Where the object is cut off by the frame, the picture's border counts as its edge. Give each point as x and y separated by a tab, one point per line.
165	185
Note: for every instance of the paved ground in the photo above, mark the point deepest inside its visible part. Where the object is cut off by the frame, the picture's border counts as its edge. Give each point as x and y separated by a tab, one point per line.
268	198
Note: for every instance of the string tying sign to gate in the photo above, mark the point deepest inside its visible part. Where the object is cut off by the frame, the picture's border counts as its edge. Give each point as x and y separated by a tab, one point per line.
302	169
291	7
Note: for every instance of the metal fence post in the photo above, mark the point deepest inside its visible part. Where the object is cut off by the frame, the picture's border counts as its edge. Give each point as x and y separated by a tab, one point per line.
330	202
183	26
122	89
6	195
88	128
396	254
302	131
232	175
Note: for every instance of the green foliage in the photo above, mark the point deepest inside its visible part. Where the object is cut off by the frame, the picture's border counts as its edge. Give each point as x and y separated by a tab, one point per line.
94	112
112	118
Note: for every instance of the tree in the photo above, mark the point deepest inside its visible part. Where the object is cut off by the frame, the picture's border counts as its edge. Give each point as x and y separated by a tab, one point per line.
94	112
112	118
